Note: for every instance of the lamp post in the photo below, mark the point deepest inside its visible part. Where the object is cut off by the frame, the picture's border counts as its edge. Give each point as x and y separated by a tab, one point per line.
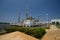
47	19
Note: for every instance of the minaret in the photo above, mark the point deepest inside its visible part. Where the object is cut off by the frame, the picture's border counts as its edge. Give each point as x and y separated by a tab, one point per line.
26	11
38	18
19	16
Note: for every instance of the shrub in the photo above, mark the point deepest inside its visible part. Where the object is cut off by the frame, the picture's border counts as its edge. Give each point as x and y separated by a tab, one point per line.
10	30
2	33
47	27
39	32
35	32
58	26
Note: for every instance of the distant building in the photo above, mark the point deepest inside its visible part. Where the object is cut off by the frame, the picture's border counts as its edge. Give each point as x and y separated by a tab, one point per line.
55	21
29	20
30	23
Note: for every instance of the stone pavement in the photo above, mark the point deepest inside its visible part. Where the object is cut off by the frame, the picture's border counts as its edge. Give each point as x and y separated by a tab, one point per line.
16	36
52	34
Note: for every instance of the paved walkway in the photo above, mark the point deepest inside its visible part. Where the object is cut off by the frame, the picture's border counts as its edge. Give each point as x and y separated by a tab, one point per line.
16	36
52	34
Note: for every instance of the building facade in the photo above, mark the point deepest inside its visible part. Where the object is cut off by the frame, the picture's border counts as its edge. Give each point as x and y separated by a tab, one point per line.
55	21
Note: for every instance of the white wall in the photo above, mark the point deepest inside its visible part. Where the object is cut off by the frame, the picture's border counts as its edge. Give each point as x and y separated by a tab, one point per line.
55	20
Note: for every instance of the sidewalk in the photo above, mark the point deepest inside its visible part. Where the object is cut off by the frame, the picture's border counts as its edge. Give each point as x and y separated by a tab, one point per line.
52	34
16	36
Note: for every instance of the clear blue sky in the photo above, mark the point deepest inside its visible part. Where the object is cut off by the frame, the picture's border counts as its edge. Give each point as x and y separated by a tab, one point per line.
9	9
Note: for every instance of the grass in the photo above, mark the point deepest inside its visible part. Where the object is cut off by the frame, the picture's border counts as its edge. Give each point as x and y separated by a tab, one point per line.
58	26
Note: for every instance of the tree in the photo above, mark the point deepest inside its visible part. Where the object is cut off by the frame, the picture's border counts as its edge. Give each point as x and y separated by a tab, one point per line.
57	23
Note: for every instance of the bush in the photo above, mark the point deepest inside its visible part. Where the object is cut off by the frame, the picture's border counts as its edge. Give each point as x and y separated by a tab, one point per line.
35	32
58	26
57	23
39	32
47	27
2	33
10	30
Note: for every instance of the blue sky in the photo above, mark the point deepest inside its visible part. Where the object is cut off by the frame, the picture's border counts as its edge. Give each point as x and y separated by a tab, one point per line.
9	9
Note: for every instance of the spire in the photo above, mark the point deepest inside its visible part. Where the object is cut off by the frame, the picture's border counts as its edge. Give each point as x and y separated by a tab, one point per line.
38	18
19	16
26	11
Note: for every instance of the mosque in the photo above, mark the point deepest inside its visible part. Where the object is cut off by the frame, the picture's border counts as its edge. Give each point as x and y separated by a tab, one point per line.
29	21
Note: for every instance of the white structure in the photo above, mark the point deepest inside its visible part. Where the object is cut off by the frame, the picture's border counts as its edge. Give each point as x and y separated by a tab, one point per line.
55	20
19	24
28	23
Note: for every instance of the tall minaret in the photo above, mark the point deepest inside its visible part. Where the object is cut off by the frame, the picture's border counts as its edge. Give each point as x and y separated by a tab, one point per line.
38	18
26	11
19	16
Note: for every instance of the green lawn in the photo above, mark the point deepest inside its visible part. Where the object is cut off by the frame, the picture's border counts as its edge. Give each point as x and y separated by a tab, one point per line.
58	26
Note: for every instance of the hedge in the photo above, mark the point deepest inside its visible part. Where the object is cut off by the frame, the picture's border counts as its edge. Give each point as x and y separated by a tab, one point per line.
36	32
